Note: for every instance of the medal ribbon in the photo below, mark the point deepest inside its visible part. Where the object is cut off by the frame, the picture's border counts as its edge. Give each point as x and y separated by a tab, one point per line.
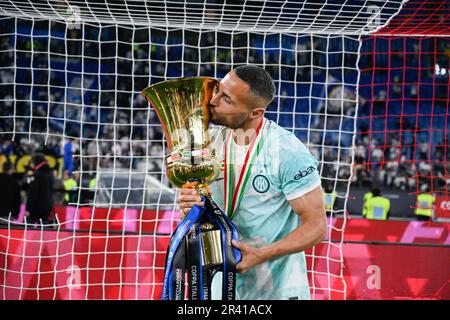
185	256
233	195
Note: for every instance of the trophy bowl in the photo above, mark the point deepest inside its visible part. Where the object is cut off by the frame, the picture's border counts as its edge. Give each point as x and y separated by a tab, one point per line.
183	108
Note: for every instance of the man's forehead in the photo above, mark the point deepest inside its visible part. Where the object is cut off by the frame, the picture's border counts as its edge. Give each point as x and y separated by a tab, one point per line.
226	80
231	82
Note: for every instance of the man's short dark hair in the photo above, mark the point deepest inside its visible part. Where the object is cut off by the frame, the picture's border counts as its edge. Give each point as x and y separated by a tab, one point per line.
259	80
7	166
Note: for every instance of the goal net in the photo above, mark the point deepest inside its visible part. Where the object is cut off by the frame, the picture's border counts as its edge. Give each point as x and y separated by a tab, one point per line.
71	76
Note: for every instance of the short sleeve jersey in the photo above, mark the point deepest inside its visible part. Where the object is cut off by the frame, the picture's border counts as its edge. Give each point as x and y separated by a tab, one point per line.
284	170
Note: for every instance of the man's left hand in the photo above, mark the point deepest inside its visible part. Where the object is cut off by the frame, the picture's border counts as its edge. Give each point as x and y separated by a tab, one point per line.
251	256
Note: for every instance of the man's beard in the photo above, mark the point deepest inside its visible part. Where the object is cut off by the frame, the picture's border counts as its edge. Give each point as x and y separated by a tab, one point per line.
236	123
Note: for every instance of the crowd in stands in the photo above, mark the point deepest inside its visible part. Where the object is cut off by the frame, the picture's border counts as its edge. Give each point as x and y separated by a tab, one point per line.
112	125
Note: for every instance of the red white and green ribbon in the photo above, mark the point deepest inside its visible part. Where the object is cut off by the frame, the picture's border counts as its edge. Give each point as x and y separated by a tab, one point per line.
233	193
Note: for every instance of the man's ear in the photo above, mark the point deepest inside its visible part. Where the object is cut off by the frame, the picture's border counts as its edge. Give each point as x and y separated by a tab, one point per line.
257	112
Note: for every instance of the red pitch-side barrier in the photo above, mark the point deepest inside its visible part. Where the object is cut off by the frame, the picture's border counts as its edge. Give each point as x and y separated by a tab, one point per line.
149	221
130	266
383	271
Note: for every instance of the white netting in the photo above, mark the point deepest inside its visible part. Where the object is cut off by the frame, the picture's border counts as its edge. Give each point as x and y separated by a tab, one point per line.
320	16
73	75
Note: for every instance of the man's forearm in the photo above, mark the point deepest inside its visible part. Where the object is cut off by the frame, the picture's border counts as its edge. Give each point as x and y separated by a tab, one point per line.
300	239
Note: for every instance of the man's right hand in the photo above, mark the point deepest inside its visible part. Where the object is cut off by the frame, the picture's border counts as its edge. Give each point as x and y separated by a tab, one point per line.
187	199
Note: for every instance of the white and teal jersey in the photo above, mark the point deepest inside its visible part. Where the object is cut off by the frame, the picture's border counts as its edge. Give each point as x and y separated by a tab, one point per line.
284	170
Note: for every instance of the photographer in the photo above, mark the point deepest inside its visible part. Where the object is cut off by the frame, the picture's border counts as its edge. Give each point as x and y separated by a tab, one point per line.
40	191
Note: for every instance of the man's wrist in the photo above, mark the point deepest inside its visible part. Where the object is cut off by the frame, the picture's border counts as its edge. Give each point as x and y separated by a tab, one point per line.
267	252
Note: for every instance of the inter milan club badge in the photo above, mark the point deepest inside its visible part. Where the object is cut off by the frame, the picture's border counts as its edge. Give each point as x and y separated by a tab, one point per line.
222	165
260	183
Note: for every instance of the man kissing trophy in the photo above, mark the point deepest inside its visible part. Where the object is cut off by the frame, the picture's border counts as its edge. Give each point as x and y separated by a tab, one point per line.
201	244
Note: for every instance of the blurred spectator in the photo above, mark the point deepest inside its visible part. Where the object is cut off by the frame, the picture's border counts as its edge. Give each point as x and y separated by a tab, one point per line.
58	189
390	172
366	198
68	156
423	151
360	154
377	206
9	192
424	204
70	185
93	183
92	153
401	178
40	191
329	198
88	194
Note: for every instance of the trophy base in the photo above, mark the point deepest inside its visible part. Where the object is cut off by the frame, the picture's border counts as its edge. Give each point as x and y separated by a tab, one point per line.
212	246
202	188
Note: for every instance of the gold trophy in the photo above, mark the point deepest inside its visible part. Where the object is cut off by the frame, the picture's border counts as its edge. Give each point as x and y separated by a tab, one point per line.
183	108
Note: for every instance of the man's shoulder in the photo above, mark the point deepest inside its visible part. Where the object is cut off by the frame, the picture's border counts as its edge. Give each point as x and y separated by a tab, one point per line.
278	131
286	141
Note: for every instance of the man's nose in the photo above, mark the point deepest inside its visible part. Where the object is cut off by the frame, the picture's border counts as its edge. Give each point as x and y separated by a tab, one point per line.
213	101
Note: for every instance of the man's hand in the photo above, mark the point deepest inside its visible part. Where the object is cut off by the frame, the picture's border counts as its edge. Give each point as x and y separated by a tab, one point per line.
251	256
27	213
187	199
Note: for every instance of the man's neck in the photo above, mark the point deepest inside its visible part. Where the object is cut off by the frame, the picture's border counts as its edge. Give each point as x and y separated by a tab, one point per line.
246	133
